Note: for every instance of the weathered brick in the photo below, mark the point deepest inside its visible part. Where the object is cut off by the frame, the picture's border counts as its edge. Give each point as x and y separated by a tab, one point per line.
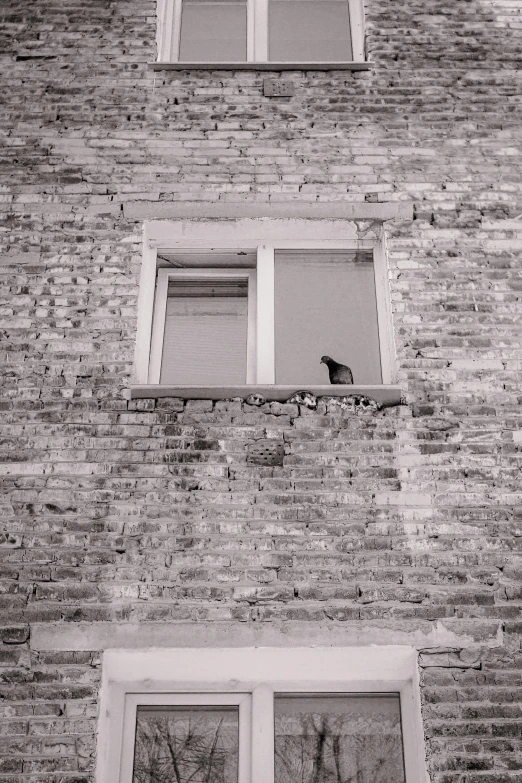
118	510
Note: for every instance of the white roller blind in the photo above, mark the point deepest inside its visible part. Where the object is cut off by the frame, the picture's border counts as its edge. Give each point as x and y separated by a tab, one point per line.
213	31
309	30
325	303
205	335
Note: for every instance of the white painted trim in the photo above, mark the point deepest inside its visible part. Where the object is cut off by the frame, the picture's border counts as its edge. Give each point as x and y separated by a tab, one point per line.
163	676
175	27
251	31
356	9
262	734
147	286
160	309
243	65
158	325
384	312
261	31
245	740
134	700
161	13
169	12
252	327
412	732
265	315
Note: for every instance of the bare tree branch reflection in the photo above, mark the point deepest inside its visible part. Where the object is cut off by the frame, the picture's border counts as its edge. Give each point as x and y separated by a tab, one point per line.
317	748
187	750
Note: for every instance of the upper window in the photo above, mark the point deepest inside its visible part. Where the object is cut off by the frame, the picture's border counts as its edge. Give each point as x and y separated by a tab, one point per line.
260	31
263	313
265	715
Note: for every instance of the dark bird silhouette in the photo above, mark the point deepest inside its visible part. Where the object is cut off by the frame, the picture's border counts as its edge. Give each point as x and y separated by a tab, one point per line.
339	373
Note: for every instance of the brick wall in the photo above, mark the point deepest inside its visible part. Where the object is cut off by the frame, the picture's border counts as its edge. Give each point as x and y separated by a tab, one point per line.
403	526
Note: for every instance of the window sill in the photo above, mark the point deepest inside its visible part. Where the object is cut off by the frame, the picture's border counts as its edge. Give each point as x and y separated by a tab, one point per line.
387	395
253	66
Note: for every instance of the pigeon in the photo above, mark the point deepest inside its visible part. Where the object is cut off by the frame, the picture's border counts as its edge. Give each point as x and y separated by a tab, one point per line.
339	373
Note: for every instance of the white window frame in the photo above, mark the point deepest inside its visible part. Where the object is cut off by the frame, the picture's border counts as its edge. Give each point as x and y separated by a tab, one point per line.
135	700
264	238
248	678
169	30
160	311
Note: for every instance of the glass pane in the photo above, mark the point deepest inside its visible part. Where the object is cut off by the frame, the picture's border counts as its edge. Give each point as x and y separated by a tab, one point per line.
213	31
328	738
309	30
205	333
325	304
186	744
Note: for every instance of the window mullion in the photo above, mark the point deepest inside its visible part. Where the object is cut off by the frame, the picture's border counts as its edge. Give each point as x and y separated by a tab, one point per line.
251	31
245	739
260	31
174	30
263	734
265	331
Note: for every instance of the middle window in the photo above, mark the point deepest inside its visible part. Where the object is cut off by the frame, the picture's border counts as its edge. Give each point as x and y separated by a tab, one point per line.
266	316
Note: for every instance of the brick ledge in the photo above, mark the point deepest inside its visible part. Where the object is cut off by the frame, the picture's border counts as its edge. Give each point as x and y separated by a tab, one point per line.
387	395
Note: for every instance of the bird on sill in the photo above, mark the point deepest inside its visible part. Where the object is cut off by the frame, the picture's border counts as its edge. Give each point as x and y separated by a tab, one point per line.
339	373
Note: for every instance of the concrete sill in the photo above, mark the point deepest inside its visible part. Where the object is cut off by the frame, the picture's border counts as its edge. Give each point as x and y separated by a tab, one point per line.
387	395
242	66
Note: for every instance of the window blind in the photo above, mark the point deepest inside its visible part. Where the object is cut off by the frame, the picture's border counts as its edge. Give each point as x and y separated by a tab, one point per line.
325	303
213	31
205	332
309	30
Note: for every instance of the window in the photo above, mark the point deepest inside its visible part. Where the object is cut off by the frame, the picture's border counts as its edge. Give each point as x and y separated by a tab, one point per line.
260	715
204	327
260	313
260	31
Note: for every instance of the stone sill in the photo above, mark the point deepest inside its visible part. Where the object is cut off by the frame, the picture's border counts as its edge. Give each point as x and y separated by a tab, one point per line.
386	395
243	66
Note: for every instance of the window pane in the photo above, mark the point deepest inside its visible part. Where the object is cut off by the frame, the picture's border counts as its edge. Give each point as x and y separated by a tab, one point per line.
205	333
325	738
325	305
213	31
309	30
182	744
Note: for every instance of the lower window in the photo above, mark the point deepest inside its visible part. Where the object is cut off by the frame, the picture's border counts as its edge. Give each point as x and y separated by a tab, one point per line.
290	719
318	737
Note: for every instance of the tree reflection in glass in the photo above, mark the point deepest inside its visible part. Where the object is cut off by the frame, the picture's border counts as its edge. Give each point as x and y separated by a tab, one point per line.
186	745
338	738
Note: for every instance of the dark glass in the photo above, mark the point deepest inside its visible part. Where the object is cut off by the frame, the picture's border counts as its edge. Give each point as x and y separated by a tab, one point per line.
186	745
339	738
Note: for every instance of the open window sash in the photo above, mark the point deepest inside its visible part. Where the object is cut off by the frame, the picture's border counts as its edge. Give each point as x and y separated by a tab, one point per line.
217	337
